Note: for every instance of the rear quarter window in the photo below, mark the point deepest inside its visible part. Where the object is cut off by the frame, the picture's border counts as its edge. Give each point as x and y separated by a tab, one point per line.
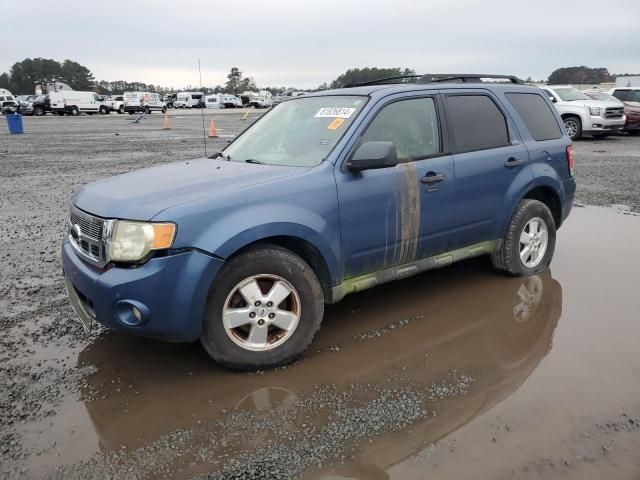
477	123
536	115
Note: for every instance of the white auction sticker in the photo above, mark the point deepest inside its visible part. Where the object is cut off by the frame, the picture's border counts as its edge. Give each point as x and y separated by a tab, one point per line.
335	112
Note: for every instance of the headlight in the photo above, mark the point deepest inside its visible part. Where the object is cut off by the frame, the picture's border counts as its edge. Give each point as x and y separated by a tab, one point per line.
132	241
595	111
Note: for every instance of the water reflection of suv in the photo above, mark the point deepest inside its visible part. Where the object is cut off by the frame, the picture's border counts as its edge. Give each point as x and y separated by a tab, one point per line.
327	194
584	115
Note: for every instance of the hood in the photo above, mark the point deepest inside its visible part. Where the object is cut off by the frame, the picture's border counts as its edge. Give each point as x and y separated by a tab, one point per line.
142	194
595	103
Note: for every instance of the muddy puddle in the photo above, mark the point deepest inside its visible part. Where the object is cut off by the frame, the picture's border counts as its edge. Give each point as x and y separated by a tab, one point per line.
457	373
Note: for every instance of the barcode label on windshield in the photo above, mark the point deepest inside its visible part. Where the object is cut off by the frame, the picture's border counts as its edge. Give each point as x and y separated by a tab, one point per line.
335	112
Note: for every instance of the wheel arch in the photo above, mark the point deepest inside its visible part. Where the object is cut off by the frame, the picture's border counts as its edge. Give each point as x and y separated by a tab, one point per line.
303	248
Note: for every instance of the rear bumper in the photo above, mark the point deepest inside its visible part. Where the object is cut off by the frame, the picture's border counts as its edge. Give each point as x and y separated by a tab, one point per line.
171	292
569	188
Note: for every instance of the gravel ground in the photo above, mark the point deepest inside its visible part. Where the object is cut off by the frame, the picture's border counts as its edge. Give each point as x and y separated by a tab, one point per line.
40	339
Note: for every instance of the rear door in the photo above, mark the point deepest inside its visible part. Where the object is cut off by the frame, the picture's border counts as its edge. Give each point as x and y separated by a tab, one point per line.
488	155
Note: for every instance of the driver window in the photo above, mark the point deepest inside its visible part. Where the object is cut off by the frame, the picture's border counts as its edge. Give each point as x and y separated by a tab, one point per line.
412	125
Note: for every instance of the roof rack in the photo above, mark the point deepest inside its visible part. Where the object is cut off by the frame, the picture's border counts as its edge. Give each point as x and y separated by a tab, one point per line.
466	77
381	80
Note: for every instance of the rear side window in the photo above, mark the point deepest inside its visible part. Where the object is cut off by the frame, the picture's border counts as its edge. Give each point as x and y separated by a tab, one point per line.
412	125
477	123
536	115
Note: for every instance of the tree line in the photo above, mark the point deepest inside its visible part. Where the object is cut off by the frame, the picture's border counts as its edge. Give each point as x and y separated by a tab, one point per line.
25	75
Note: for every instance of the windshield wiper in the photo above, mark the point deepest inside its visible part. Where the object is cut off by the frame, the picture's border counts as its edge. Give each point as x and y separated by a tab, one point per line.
251	160
220	154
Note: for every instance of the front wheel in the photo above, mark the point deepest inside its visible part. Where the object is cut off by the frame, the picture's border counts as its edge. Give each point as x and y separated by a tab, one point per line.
38	111
263	310
164	109
573	126
529	242
121	109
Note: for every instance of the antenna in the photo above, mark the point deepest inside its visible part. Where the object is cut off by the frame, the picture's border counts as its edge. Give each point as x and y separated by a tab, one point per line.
204	130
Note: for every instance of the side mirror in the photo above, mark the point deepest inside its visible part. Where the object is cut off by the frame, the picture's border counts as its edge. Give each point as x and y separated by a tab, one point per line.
553	99
372	155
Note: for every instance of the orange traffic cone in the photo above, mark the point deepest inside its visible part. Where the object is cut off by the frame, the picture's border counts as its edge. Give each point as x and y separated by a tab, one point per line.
165	125
213	133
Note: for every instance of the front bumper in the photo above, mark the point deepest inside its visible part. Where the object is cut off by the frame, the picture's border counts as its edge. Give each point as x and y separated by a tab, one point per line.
602	125
171	291
633	123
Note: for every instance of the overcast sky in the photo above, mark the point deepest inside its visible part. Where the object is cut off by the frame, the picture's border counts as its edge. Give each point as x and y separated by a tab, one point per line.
289	43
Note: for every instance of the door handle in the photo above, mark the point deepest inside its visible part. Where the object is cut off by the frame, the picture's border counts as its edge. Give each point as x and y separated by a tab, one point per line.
432	177
513	162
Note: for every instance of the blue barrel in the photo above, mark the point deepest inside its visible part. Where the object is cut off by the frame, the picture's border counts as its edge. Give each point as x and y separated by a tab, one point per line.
14	121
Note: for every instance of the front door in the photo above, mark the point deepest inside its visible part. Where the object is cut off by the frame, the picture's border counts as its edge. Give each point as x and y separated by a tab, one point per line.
393	216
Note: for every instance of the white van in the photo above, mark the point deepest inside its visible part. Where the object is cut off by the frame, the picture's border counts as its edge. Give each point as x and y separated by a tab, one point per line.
189	100
146	102
74	103
213	101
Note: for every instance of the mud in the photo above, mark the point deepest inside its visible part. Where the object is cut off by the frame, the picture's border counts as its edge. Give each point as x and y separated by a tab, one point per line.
454	373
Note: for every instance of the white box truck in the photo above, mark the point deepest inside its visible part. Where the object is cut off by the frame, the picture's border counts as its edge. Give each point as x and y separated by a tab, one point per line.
213	101
189	100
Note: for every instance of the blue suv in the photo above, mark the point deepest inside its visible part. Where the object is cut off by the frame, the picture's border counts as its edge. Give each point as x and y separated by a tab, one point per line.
327	194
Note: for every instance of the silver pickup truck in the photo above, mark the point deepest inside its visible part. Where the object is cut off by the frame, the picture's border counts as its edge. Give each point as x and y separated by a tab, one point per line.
583	115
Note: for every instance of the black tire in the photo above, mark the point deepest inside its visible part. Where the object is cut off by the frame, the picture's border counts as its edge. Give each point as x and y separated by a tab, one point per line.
74	111
633	132
61	114
507	259
573	126
121	109
164	109
38	111
103	110
266	259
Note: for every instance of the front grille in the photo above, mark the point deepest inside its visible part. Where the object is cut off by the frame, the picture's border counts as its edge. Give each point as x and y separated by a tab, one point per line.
614	112
78	305
86	234
90	226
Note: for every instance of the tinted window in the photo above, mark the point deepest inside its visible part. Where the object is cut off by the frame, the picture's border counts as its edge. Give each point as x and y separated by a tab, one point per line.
477	123
536	115
624	95
412	125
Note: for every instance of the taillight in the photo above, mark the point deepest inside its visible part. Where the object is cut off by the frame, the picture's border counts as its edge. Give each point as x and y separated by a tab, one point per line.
570	160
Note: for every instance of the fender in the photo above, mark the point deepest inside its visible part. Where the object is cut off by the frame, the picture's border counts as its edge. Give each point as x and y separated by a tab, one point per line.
229	234
542	177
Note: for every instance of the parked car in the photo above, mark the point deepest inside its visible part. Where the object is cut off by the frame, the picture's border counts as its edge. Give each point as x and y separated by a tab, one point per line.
231	101
26	103
327	194
72	102
116	103
287	95
39	106
583	115
168	99
146	102
630	96
8	103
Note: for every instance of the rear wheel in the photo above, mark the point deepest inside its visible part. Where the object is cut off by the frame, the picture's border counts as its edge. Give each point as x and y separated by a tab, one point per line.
38	111
164	109
263	310
74	111
529	242
121	109
573	126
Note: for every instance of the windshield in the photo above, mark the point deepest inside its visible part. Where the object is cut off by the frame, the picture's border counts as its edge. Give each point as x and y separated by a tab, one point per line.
298	132
570	94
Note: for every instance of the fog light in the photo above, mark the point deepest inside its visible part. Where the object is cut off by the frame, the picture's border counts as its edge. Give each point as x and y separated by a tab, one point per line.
131	313
596	125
